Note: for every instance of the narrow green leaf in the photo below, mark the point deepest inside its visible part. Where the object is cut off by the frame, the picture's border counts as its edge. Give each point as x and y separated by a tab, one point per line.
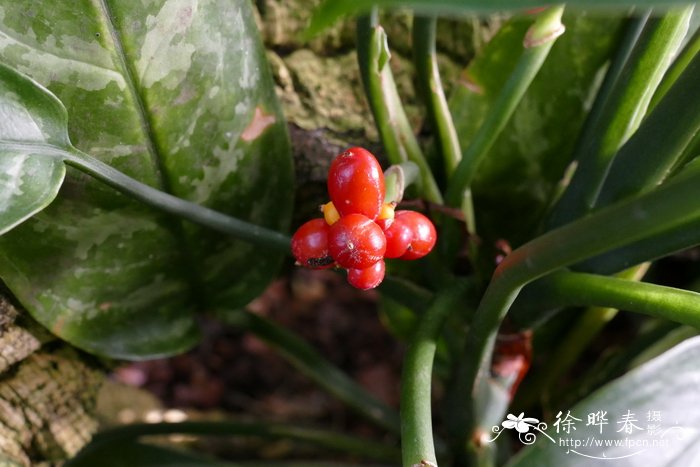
141	455
666	386
516	178
29	177
679	238
622	112
110	440
307	360
672	204
684	235
647	158
331	11
690	50
177	95
535	47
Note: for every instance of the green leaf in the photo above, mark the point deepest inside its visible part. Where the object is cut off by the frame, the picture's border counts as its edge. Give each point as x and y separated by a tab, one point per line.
309	362
618	113
29	178
666	385
650	154
139	454
517	177
177	95
331	11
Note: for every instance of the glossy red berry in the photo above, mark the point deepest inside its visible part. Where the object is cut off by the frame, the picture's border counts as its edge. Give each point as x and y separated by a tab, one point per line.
356	183
356	242
368	278
398	237
310	245
423	233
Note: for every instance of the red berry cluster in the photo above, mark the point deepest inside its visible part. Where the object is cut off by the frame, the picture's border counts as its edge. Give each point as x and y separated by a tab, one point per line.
359	230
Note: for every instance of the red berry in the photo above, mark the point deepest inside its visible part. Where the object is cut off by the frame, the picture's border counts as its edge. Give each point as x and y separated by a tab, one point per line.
368	278
398	236
356	183
310	245
423	231
356	242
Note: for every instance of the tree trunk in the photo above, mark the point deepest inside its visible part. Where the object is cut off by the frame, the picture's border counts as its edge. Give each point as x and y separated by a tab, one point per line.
47	394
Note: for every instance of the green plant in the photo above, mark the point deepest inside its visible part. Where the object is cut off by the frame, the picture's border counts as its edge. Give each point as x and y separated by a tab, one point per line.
575	141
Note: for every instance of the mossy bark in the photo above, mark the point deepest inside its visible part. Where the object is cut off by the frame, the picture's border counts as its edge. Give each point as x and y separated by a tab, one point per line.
319	85
47	394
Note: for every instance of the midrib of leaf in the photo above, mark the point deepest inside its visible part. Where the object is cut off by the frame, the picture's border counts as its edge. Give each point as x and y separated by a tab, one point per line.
134	88
132	84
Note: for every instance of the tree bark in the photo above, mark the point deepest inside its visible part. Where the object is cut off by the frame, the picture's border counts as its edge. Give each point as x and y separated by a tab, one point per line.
47	394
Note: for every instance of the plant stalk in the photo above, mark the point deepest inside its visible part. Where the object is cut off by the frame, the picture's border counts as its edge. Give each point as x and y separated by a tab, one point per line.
537	44
394	128
580	334
674	203
416	413
430	87
166	202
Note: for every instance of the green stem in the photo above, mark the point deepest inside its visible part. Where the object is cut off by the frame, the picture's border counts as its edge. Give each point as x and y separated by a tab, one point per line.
538	42
163	201
649	215
309	362
430	87
622	111
322	438
394	128
565	288
606	295
578	338
416	414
